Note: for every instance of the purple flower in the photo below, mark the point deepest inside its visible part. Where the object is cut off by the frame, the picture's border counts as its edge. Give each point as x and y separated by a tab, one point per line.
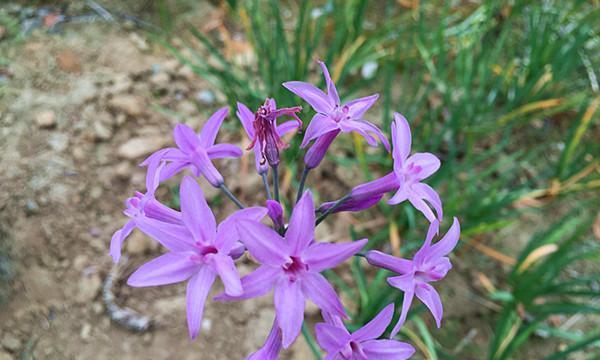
272	346
143	206
361	344
429	264
291	265
332	117
199	251
197	150
409	171
275	212
264	132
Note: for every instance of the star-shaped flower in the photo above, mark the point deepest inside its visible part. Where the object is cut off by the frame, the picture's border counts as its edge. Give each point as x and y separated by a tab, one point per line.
429	264
291	265
199	251
362	344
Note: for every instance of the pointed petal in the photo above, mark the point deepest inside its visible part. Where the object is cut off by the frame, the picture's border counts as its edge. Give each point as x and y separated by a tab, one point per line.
375	328
227	234
332	93
275	211
387	350
322	256
287	127
185	138
262	242
423	252
261	166
427	162
406	302
116	242
301	230
169	268
318	150
319	125
289	307
153	176
331	338
428	194
389	262
427	294
197	290
209	131
352	204
229	275
157	211
196	213
447	243
320	292
270	350
220	151
400	196
421	205
173	237
206	168
366	130
255	284
358	107
312	95
246	118
173	169
401	138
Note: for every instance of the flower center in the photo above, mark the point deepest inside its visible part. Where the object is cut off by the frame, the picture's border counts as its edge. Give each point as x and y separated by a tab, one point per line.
340	113
295	267
203	253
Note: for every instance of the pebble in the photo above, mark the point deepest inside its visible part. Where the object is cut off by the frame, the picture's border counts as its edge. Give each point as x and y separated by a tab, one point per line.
86	331
129	104
138	243
101	131
45	119
123	170
59	142
160	79
206	97
31	207
187	107
89	286
140	146
121	83
171	65
11	343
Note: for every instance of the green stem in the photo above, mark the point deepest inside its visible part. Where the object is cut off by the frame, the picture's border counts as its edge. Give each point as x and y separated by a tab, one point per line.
333	208
227	192
266	183
276	181
302	181
310	340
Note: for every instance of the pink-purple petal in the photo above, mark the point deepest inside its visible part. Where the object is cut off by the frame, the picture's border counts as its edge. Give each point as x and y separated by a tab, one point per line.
301	229
117	239
174	237
263	243
195	211
320	292
289	307
322	256
229	275
185	138
287	127
401	138
311	94
389	262
227	234
331	338
427	294
426	162
318	126
246	118
417	201
209	131
197	291
406	302
375	328
332	93
447	243
387	350
205	167
169	268
220	151
255	284
358	107
272	346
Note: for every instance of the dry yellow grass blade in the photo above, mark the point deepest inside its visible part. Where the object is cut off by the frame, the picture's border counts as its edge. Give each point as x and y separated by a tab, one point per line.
346	55
394	239
486	250
485	282
536	255
527	108
416	340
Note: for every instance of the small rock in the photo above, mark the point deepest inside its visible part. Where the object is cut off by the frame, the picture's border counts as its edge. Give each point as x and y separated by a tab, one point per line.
89	286
5	356
11	343
45	119
69	61
97	308
101	131
206	325
171	65
138	243
140	146
139	42
186	72
80	262
31	207
86	331
206	97
187	107
121	83
129	104
96	192
160	79
58	141
123	170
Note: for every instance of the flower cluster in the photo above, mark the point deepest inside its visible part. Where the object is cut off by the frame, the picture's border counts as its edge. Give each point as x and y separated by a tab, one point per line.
290	258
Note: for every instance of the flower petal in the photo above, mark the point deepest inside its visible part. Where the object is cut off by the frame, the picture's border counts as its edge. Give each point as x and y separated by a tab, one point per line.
322	256
319	125
262	242
423	252
331	338
116	242
255	284
389	262
289	307
312	95
220	151
174	237
387	350
229	275
365	129
352	204
209	131
196	213
428	194
332	93
173	169
318	150
287	127
358	107
400	196
169	268
427	162
185	138
272	346
375	328
427	294
246	118
447	243
275	211
320	292
401	138
301	230
153	176
421	205
227	234
406	302
197	290
157	211
205	166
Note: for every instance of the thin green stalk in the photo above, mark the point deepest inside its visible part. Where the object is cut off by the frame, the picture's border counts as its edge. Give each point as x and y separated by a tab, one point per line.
265	180
276	181
230	195
310	340
302	181
337	204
